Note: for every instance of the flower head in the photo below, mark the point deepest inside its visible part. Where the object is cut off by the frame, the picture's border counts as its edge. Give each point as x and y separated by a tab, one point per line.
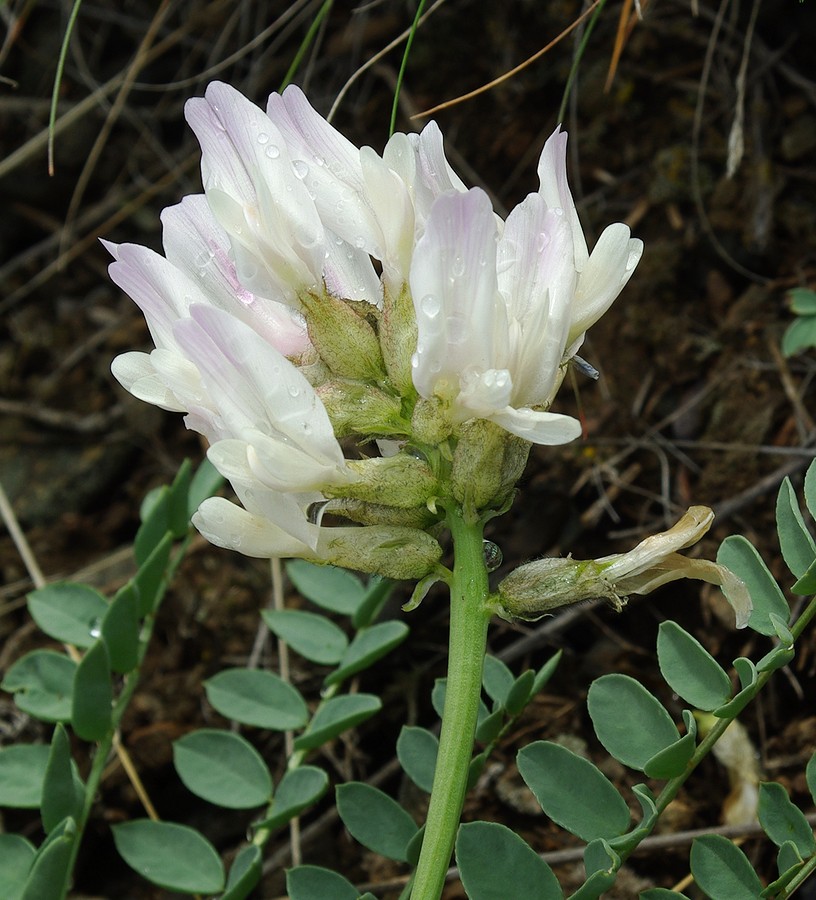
318	290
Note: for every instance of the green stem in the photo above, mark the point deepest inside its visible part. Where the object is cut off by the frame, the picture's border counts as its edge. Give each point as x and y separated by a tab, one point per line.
470	614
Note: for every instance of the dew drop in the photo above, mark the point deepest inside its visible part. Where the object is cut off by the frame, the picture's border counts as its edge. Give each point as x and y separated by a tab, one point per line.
263	138
359	242
632	260
301	169
541	241
293	390
458	267
272	151
435	367
431	305
95	628
493	556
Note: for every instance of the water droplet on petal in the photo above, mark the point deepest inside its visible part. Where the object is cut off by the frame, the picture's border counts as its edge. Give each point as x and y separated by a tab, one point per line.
272	151
541	241
458	267
493	556
301	169
430	305
263	138
294	390
359	242
632	261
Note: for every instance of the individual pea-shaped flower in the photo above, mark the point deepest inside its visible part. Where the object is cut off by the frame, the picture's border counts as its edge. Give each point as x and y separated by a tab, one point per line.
499	314
538	587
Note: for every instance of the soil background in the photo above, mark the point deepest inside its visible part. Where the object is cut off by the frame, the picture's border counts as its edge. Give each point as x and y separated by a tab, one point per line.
695	403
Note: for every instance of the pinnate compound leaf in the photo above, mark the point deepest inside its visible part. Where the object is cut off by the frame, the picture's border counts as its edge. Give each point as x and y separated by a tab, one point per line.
491	857
672	761
795	541
223	768
630	722
155	513
149	580
546	672
172	856
16	856
375	820
316	883
244	874
297	791
488	729
336	716
520	694
747	672
62	793
438	693
43	685
22	772
741	557
783	821
573	792
51	863
368	646
690	670
91	711
799	335
120	629
205	483
722	870
810	489
810	776
255	697
314	637
68	612
417	749
497	680
327	586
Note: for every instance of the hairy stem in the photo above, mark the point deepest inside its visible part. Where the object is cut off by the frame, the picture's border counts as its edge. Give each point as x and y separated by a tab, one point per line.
470	614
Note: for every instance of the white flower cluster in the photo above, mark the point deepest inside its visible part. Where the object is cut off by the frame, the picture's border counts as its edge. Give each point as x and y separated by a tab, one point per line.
317	290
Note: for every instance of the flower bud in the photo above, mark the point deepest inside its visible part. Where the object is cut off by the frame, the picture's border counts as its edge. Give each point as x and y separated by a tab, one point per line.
398	338
431	422
360	409
539	587
402	481
487	463
390	551
379	514
346	342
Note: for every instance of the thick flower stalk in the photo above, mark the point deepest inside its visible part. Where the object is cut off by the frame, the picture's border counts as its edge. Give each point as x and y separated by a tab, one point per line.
318	291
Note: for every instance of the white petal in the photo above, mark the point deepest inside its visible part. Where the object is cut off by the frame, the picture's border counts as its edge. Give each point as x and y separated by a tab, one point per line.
649	552
348	272
226	525
611	265
545	428
554	188
453	284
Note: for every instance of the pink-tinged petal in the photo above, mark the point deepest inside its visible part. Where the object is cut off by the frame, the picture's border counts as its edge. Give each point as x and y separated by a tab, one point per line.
159	289
227	525
253	189
434	173
329	165
545	428
453	284
254	386
197	245
554	188
485	393
537	280
610	266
